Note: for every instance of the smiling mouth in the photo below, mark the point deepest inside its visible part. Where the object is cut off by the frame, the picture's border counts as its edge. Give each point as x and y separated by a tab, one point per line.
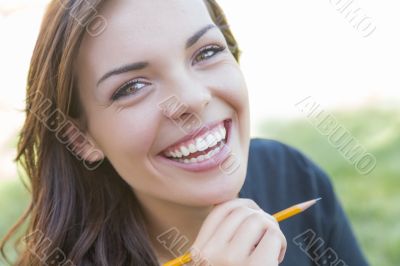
202	147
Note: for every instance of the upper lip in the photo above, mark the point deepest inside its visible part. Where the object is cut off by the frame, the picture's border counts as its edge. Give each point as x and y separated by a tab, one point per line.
197	132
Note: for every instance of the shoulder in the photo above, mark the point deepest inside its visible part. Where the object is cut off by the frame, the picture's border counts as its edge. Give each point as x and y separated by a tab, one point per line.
271	158
279	175
268	151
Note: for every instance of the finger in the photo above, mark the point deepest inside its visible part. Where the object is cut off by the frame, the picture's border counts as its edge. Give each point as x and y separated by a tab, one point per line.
216	216
271	248
227	228
277	228
250	233
272	218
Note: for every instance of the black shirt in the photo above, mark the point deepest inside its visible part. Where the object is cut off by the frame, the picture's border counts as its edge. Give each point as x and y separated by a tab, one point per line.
279	176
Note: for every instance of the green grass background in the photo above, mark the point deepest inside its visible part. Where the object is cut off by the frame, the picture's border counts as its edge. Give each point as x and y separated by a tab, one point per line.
371	201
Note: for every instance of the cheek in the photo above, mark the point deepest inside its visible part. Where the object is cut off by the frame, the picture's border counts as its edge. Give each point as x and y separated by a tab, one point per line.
232	90
128	133
231	87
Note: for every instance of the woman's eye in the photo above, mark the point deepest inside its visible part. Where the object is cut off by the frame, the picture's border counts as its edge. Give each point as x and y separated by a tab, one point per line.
128	88
208	52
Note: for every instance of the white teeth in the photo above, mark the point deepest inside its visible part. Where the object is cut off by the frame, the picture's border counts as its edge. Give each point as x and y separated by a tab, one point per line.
211	153
201	157
222	130
211	140
178	154
200	144
192	148
184	151
218	135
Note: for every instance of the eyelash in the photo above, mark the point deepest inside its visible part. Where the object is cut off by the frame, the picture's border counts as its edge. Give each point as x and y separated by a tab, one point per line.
216	48
121	91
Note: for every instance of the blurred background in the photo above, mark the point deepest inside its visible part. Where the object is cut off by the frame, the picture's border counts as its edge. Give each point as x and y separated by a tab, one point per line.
346	59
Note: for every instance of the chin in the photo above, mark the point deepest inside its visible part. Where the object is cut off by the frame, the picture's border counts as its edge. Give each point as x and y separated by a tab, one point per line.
215	194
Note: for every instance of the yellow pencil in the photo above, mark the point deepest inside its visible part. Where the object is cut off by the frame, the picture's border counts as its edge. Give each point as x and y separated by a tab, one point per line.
279	216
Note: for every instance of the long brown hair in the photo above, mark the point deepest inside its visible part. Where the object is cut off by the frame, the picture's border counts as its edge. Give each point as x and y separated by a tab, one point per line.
78	215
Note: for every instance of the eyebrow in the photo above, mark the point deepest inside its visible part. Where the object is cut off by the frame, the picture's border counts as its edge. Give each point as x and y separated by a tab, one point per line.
141	65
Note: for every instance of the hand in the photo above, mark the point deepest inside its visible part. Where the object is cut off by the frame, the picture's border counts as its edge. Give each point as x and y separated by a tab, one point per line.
239	232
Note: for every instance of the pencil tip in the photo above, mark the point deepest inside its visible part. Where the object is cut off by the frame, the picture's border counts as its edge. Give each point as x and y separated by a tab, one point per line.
308	204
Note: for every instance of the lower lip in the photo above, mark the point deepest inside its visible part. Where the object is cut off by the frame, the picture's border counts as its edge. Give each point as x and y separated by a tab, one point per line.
208	164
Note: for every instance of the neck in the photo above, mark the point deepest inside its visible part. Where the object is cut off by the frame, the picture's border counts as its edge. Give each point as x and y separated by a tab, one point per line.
172	227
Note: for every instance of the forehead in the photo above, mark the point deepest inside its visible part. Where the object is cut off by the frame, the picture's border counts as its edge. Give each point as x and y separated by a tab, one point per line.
149	17
138	28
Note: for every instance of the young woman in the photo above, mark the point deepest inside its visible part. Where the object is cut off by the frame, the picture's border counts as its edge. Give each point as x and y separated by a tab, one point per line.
136	144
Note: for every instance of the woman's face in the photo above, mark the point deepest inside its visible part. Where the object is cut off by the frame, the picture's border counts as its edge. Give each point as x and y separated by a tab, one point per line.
127	111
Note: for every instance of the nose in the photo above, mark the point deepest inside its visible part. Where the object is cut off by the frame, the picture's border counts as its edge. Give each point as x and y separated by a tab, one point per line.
192	104
188	96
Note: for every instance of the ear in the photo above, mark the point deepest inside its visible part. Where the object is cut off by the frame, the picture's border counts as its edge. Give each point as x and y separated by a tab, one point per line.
81	143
